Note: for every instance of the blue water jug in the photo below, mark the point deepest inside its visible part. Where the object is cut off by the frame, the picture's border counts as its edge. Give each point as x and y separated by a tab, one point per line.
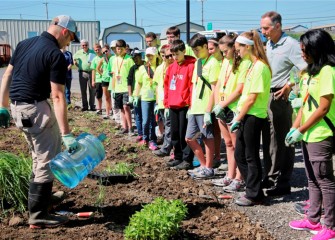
71	168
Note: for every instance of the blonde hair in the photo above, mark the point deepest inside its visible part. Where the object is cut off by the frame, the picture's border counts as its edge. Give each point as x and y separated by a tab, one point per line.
257	48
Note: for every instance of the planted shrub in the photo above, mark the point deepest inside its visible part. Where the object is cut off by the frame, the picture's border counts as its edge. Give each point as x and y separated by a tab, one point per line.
14	180
158	220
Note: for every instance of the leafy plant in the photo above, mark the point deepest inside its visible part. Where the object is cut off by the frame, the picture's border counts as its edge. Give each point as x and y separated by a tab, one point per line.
101	196
122	168
158	220
14	180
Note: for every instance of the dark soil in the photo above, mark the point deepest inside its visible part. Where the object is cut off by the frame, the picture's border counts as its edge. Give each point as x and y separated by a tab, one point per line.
208	217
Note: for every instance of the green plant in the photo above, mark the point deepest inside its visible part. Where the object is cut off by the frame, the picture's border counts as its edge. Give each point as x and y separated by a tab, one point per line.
14	180
101	195
122	168
158	220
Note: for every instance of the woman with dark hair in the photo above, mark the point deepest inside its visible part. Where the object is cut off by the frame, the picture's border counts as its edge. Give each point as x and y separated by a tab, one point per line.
251	116
227	93
313	126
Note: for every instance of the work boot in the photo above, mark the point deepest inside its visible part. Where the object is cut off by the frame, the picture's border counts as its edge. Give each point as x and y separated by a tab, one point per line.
39	199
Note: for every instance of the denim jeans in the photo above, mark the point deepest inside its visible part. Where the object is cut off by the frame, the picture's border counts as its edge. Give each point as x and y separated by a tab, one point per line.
149	122
138	118
68	90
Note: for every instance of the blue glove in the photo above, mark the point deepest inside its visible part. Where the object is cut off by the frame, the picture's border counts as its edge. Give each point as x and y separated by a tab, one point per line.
131	99
70	142
135	101
207	119
219	112
293	136
4	117
166	113
156	109
292	96
235	126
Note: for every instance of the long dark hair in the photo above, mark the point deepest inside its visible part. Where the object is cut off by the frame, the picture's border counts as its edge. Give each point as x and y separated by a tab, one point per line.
320	47
230	41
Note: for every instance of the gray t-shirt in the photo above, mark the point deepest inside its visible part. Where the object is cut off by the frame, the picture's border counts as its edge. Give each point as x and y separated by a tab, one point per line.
283	56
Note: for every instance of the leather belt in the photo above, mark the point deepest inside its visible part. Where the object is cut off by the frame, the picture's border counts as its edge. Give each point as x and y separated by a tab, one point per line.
272	90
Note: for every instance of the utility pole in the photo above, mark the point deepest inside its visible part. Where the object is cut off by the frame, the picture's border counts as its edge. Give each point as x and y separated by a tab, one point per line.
202	11
135	13
95	16
276	5
46	9
187	21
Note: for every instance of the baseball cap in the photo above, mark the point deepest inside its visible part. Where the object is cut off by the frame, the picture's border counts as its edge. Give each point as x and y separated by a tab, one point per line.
68	23
151	51
135	52
113	43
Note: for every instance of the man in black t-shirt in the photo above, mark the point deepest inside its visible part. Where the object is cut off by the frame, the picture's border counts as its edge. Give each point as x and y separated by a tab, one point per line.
36	69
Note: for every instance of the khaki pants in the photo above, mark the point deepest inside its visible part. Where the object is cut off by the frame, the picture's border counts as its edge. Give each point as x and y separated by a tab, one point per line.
43	136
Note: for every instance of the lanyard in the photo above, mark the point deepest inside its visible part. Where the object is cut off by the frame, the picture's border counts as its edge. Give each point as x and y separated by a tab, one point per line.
117	63
250	70
227	77
307	92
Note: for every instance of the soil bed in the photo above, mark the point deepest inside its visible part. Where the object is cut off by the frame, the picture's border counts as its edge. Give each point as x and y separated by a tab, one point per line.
208	216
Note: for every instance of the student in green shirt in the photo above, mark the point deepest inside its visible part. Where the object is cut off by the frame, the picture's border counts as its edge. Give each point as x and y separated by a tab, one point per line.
251	116
96	76
199	120
102	68
313	126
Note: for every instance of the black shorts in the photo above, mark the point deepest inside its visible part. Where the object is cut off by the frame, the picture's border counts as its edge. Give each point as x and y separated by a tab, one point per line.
120	100
105	84
98	90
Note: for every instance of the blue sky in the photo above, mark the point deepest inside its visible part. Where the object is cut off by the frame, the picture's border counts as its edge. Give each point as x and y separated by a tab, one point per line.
155	15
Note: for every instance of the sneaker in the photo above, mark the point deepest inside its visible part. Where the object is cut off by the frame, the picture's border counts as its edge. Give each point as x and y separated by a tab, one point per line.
99	111
195	170
153	146
305	224
48	221
234	186
216	163
223	166
173	162
160	153
324	234
123	131
183	166
222	182
143	143
105	117
131	132
246	202
204	173
302	207
139	138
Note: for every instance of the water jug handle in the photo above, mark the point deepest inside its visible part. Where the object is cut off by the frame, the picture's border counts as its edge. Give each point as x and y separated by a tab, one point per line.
74	151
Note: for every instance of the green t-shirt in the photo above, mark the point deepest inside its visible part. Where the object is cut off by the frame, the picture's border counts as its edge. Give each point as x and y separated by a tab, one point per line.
189	51
94	64
257	80
320	85
105	72
159	80
120	67
148	86
82	58
210	71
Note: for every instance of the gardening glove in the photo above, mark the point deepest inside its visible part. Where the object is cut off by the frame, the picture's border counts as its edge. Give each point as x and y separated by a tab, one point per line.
235	126
293	136
292	96
156	109
166	113
70	142
187	113
135	101
131	99
4	117
296	103
219	112
207	119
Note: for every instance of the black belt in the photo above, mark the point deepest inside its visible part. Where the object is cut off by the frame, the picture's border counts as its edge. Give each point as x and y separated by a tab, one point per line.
272	90
84	71
24	102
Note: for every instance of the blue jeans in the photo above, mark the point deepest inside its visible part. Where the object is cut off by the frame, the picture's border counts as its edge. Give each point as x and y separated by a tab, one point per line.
149	122
68	90
138	118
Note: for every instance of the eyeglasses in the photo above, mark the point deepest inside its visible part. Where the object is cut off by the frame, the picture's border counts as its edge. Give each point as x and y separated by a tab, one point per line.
105	52
168	56
84	45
